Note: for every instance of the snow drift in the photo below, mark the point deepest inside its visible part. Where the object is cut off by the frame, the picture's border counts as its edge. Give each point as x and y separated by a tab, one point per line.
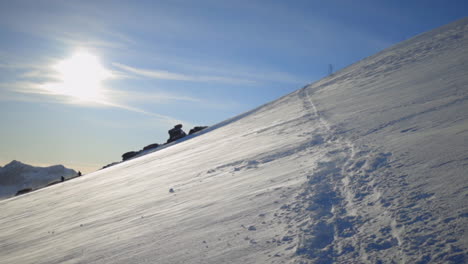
17	176
365	166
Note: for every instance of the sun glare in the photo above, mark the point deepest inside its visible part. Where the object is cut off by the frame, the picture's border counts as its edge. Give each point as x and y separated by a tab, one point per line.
81	77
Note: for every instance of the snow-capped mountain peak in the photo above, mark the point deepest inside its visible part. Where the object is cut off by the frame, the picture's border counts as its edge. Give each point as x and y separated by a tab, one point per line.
16	176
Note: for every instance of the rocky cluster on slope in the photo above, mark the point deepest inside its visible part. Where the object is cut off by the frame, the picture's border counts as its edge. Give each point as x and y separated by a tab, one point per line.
175	134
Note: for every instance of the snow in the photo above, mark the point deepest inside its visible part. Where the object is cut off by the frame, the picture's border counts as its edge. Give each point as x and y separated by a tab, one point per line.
16	176
365	166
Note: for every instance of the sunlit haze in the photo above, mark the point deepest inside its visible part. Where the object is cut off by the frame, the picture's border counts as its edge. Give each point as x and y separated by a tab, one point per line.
81	77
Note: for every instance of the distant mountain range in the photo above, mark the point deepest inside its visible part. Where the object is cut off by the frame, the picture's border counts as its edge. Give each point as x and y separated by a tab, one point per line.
18	178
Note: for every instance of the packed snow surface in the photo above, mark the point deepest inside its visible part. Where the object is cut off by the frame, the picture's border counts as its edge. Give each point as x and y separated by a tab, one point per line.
368	165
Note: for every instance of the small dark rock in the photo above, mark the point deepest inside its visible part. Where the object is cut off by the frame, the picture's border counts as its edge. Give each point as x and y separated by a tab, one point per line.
110	165
151	146
23	191
129	155
176	133
171	190
196	129
252	228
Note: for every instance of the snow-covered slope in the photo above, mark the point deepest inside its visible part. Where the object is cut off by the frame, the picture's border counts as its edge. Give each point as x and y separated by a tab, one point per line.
17	176
365	166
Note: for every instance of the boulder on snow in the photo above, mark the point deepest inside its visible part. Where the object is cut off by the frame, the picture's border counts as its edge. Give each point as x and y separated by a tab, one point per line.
23	191
196	129
176	133
110	165
151	146
129	155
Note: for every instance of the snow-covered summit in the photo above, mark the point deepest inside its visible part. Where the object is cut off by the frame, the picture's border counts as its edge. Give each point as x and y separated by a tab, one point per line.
16	176
14	163
365	166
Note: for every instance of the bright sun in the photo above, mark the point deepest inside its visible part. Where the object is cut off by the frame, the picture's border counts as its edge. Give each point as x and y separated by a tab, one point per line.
81	77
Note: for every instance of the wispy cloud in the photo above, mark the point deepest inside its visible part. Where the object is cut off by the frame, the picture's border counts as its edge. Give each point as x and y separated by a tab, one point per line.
159	97
19	91
166	75
71	23
166	118
87	41
229	72
39	74
33	83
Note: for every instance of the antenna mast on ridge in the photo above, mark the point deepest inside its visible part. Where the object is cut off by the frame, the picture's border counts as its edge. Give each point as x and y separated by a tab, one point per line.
330	69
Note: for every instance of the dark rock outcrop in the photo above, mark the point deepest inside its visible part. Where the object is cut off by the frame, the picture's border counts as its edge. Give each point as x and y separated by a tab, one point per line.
196	129
176	133
129	155
151	146
110	165
23	191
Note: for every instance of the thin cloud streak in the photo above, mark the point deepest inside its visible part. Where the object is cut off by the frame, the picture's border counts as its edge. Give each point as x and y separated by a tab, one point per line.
253	75
167	98
35	81
168	119
135	96
166	75
89	41
16	91
35	78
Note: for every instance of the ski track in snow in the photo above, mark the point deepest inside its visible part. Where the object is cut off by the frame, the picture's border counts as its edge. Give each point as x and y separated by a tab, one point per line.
361	206
331	211
346	218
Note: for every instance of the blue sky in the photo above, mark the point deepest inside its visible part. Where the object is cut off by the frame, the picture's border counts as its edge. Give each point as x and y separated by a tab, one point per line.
193	62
